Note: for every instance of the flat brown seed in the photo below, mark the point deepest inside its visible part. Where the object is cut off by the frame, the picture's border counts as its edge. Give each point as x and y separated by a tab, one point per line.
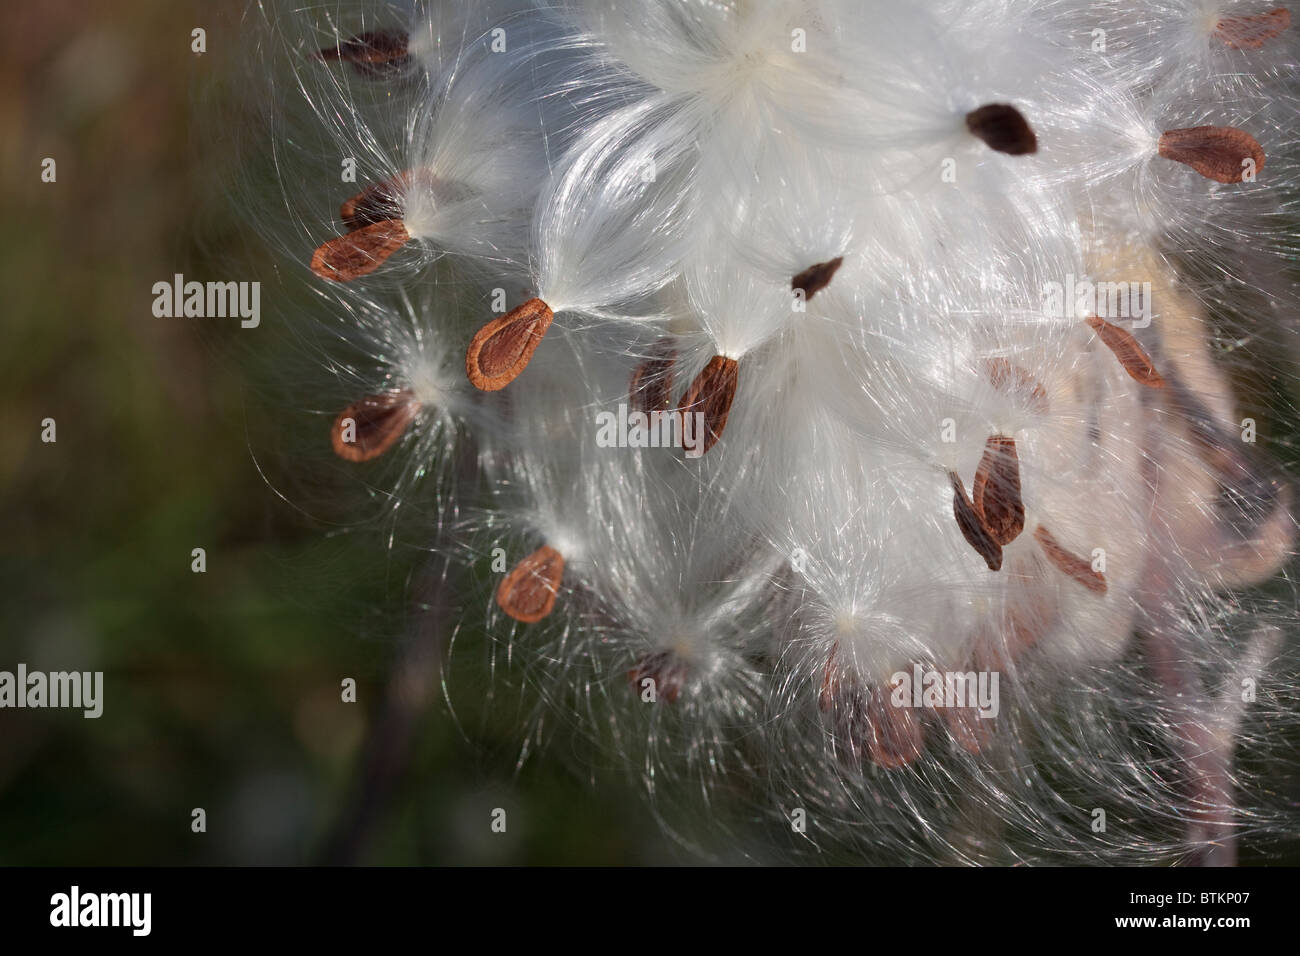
651	385
1069	563
1216	152
895	735
815	278
996	492
360	252
1252	32
972	529
376	53
502	349
1131	355
1014	380
1003	128
529	591
377	202
666	669
711	394
368	428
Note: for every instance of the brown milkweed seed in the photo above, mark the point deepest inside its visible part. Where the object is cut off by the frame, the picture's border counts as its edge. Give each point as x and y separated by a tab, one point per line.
375	53
368	428
1131	355
1003	128
360	252
972	529
651	385
376	203
711	394
996	492
1016	381
529	591
815	278
895	734
1069	563
502	349
1216	152
1252	32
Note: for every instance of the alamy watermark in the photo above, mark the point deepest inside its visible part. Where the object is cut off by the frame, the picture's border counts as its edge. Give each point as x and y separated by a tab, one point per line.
1082	298
651	430
208	300
79	689
926	687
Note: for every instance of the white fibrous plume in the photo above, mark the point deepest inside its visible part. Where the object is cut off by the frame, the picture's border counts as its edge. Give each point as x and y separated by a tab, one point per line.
884	408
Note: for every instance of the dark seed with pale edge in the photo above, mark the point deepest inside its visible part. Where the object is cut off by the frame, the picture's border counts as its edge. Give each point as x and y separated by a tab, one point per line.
1252	32
1014	380
1069	563
376	203
651	385
502	349
375	53
972	529
529	591
996	492
378	421
360	252
712	393
1216	152
666	669
1003	128
815	278
1131	355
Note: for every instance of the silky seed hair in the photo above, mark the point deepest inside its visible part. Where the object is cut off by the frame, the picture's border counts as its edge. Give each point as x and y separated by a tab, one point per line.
768	357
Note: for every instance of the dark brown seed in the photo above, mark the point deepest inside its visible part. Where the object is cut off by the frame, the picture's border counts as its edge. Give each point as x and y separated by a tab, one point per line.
815	278
360	252
1252	32
666	669
712	393
651	386
1003	128
996	492
972	529
1131	355
529	591
375	53
502	349
895	736
1016	381
1216	152
1069	563
376	203
368	428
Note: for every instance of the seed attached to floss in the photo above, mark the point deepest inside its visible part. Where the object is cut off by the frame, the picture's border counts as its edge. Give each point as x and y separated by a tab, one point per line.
996	493
376	203
1014	380
529	591
1131	355
1003	128
368	428
972	528
895	736
375	53
1216	152
502	349
651	385
711	394
360	252
1252	32
666	669
815	278
1069	563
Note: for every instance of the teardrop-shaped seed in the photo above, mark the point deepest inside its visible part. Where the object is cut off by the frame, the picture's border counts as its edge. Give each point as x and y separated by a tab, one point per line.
360	252
815	278
1014	380
1216	152
1069	563
651	385
1003	128
368	428
1252	32
996	492
375	53
711	395
502	349
972	529
1131	355
529	591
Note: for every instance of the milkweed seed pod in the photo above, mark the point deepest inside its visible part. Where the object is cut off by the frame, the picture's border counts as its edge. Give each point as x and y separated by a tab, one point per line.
884	408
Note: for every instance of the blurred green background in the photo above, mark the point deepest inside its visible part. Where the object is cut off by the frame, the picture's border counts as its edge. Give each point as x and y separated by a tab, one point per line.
222	689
